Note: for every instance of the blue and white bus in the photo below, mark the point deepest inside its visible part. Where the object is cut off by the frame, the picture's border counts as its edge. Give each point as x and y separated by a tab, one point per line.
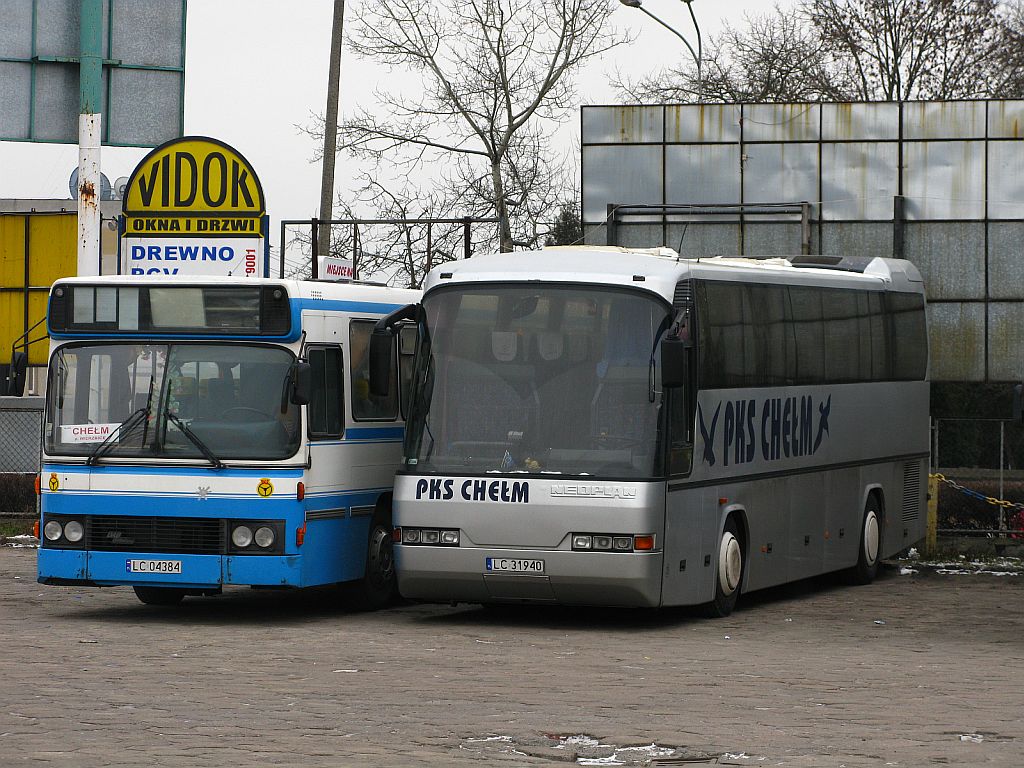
625	427
218	431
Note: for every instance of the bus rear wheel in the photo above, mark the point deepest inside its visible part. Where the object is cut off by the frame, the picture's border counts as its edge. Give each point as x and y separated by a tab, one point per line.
870	544
159	595
378	587
729	572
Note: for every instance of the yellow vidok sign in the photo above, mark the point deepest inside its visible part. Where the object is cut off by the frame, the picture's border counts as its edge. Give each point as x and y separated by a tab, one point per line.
194	206
194	185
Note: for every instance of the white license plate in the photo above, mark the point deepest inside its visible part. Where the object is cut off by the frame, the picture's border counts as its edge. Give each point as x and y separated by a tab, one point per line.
153	566
514	565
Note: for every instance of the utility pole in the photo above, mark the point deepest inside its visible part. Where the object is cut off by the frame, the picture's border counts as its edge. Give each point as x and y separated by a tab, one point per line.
90	79
323	238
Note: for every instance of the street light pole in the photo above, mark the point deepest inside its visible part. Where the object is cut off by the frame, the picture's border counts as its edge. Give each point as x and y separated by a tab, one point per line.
697	54
323	237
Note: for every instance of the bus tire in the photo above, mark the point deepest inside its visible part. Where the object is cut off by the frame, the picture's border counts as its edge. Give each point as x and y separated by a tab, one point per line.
870	548
159	595
378	587
728	571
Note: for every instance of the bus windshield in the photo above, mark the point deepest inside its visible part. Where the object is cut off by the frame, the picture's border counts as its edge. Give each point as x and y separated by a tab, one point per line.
549	379
174	401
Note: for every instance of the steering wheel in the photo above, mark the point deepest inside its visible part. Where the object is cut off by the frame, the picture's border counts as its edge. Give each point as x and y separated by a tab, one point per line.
245	409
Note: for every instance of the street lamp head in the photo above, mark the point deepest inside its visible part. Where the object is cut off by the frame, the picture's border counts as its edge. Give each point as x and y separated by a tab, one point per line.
631	3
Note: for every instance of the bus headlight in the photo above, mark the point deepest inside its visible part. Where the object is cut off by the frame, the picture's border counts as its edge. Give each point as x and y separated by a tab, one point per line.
440	537
74	531
241	536
264	537
450	537
612	542
52	530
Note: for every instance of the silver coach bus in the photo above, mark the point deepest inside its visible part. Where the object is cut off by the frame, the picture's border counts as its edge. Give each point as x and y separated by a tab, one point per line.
626	427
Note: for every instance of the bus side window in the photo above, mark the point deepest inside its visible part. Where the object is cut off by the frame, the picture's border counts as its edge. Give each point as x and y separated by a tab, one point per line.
365	406
408	341
680	424
326	405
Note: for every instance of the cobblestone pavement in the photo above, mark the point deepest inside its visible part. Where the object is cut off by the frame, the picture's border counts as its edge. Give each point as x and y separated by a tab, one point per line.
911	671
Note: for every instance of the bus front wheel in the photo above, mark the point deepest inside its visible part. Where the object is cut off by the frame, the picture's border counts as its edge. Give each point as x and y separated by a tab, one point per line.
378	587
870	544
729	573
159	595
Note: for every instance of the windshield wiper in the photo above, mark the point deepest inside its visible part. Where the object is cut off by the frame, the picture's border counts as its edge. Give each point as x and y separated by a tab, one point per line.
203	447
138	417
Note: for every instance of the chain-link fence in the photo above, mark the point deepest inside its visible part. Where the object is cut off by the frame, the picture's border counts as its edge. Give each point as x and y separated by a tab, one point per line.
21	431
980	466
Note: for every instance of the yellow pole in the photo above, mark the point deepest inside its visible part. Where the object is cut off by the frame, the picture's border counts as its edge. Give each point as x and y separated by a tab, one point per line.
931	537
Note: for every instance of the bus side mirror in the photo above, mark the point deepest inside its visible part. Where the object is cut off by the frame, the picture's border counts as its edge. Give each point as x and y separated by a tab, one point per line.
380	362
16	375
302	382
1018	403
675	356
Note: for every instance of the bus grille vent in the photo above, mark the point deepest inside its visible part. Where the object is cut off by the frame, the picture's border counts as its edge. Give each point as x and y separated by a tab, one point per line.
911	490
180	535
683	294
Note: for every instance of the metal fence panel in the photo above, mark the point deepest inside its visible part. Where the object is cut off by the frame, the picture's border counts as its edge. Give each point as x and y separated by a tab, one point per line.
1006	188
857	238
786	172
707	124
1006	119
781	122
21	429
772	239
693	172
858	181
702	239
957	341
860	122
620	175
1006	341
943	119
944	179
951	257
1005	265
622	125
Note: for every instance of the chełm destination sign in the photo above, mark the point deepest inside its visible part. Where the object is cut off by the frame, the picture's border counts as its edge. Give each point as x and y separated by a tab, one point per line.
194	206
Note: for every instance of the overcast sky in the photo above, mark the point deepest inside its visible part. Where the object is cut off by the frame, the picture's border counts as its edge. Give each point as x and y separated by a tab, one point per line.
256	69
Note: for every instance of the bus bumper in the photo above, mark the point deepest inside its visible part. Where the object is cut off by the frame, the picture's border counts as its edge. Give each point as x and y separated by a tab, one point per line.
106	569
443	574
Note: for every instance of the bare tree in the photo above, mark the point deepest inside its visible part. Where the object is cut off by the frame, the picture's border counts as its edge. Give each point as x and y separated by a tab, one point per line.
492	71
895	50
775	57
854	50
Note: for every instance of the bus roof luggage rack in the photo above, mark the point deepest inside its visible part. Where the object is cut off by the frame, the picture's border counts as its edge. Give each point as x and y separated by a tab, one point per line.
843	263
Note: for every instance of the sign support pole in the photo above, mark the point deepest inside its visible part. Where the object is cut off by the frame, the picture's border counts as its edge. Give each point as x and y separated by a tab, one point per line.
89	125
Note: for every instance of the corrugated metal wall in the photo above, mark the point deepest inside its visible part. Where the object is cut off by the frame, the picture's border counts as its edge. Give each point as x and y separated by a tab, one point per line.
939	183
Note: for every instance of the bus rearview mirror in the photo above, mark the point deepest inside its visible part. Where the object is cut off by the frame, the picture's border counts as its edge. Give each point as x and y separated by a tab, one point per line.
16	375
302	383
1018	403
380	362
674	356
